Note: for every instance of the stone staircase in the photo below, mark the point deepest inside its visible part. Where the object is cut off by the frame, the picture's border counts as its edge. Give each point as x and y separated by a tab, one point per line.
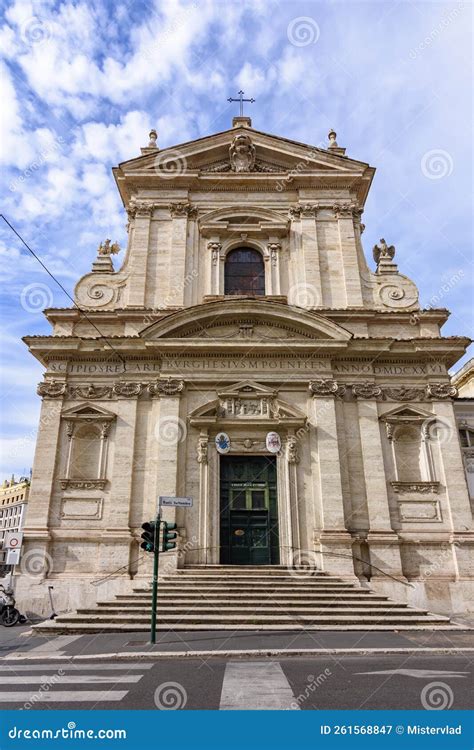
215	597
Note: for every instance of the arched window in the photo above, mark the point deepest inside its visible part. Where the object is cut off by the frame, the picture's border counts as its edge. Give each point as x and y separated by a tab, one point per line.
244	272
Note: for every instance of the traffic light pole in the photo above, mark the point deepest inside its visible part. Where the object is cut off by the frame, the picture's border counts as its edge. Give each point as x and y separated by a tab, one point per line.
154	591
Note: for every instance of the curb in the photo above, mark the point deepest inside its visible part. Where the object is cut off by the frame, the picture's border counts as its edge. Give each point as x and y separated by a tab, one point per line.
133	655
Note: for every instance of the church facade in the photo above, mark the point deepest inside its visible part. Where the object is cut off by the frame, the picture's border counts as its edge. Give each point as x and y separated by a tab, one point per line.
247	356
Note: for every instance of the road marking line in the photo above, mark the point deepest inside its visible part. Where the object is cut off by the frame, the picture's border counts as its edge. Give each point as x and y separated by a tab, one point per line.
64	696
74	679
420	673
76	666
256	685
54	645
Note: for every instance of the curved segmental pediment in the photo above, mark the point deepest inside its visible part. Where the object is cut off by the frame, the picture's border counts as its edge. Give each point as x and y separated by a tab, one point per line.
255	320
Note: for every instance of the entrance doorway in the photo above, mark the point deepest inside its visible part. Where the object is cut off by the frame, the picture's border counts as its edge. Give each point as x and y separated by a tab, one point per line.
248	510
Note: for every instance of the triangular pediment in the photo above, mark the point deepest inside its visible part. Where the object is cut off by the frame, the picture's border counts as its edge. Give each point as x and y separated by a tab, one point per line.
197	164
273	154
406	413
248	388
251	321
87	411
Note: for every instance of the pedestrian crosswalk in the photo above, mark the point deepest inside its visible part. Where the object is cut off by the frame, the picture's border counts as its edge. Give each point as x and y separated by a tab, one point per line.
43	683
230	684
256	685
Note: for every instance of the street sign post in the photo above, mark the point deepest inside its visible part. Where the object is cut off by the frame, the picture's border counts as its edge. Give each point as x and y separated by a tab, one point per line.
154	545
13	557
12	540
175	502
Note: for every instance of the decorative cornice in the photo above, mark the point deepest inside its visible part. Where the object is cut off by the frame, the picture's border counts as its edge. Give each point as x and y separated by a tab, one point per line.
366	390
326	388
90	391
55	389
83	484
167	387
182	210
404	393
441	391
51	389
422	487
127	390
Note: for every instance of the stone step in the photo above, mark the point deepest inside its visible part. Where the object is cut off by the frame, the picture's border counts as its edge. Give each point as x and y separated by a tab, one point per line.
50	627
176	600
251	579
269	609
253	598
253	618
237	585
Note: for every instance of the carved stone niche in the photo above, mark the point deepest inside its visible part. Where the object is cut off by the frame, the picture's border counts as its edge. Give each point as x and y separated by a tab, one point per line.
410	431
87	430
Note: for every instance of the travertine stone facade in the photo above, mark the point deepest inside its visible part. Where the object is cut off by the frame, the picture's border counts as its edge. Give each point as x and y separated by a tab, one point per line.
337	359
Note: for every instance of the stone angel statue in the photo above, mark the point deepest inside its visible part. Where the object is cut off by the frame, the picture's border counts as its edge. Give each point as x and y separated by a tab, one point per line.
108	248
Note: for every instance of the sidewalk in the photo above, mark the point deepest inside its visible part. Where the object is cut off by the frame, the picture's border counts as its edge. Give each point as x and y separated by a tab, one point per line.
29	645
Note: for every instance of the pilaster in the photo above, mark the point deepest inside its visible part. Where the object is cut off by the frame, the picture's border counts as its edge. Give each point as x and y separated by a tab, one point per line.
383	541
333	541
139	257
310	258
349	258
177	272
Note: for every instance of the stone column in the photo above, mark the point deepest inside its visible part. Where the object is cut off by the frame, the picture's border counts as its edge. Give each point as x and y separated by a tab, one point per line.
274	251
350	263
214	248
139	257
214	506
292	461
204	545
333	541
382	540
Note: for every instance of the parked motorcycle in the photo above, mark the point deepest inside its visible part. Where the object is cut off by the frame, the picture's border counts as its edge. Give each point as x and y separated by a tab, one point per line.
9	615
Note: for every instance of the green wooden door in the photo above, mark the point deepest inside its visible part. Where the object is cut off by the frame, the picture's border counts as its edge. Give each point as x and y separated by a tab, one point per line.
249	521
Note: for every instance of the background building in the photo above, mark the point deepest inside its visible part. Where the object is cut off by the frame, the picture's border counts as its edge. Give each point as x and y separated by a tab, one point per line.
463	380
13	501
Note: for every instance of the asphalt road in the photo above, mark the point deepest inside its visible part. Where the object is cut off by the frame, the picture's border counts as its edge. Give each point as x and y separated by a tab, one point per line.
407	681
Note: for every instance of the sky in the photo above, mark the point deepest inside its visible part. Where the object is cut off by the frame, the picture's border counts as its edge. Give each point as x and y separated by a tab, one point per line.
82	83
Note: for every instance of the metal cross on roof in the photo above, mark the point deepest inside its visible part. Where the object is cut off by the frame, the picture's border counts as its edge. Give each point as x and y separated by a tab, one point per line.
241	100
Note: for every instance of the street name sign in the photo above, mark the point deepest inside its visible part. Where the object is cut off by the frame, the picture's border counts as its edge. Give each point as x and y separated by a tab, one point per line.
175	502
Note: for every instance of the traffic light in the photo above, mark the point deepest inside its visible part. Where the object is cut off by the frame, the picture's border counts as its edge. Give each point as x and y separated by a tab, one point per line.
148	536
168	536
